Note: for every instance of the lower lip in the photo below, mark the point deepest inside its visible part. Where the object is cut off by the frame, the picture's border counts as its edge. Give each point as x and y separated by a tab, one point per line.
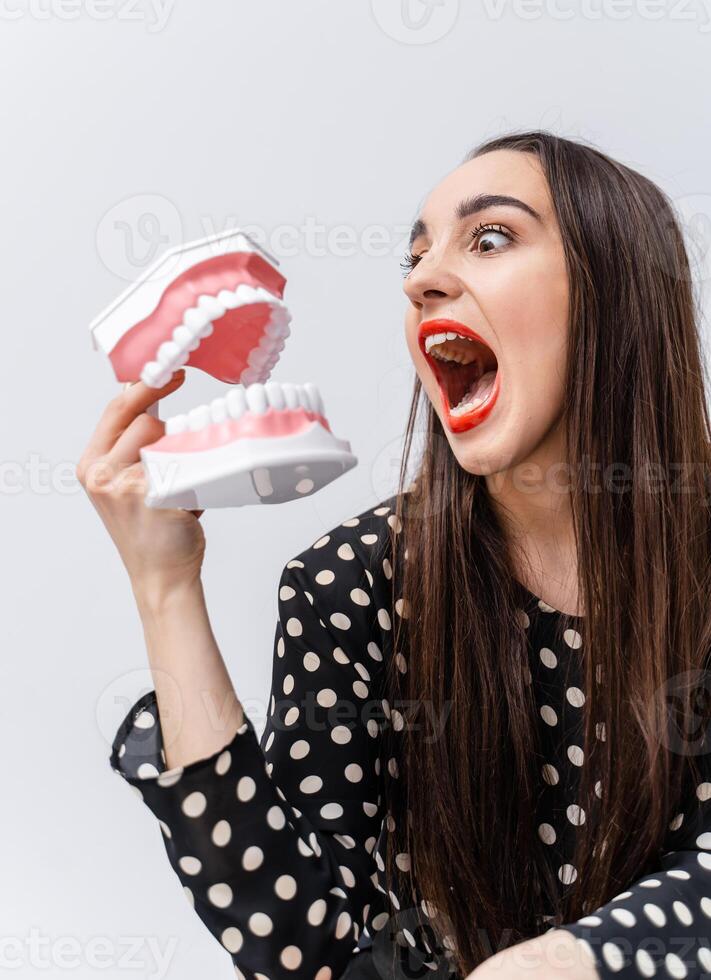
469	420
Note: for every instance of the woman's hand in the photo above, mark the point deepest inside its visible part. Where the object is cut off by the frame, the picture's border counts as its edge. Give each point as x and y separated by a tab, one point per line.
556	955
162	549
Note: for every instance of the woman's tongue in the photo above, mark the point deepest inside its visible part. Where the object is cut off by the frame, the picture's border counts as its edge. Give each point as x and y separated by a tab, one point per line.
476	394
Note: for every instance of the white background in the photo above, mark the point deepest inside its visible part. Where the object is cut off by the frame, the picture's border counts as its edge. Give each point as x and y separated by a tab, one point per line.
126	127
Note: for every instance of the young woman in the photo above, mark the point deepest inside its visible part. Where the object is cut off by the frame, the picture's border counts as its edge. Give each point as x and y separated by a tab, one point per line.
470	765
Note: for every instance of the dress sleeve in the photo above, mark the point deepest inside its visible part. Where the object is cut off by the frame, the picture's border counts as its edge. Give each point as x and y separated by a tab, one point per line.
661	925
273	839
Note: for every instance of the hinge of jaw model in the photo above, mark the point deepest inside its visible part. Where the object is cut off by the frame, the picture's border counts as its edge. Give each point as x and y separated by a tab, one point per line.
217	304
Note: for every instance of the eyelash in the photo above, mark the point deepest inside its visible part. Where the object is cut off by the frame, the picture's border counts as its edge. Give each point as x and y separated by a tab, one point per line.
410	261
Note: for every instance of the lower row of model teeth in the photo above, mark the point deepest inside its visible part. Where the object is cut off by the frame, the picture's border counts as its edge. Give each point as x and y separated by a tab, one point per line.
255	398
197	324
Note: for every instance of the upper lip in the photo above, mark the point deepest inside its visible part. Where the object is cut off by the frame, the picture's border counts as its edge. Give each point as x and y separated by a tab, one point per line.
442	325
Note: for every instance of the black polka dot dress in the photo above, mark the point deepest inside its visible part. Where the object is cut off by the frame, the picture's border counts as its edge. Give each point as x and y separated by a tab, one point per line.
279	841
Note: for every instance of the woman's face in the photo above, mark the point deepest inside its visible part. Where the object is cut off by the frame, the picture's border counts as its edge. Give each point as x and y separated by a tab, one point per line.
504	291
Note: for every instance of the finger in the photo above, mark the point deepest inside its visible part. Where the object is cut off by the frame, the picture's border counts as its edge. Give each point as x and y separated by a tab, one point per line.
123	409
144	430
131	479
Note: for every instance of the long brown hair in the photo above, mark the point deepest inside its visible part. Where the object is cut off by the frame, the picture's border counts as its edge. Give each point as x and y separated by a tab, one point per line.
462	804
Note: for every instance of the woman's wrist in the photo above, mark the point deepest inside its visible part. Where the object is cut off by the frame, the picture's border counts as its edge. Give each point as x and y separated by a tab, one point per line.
158	597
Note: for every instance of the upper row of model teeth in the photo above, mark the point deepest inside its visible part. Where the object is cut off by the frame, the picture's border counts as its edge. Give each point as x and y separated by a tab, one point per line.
255	398
197	324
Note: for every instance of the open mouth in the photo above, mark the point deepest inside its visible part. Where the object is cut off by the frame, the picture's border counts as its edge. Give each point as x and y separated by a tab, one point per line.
466	370
217	304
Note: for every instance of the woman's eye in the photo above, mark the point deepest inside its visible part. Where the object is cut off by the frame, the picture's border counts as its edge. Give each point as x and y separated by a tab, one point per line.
490	235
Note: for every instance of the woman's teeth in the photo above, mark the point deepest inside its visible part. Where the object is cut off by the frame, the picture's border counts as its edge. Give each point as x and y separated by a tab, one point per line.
450	352
476	396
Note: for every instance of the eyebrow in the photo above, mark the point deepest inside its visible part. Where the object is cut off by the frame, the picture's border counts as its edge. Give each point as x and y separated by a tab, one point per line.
475	204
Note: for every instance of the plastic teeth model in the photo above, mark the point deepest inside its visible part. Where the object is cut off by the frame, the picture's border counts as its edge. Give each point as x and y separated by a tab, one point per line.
217	304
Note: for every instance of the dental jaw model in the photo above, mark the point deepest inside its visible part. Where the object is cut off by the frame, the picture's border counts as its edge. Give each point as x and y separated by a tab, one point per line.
217	304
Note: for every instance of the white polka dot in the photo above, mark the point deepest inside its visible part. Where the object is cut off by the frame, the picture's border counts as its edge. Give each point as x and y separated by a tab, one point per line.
360	597
311	661
311	784
384	619
326	697
612	955
224	761
300	749
575	696
220	895
221	833
548	658
340	621
324	577
624	917
369	538
252	858
343	925
288	685
549	715
567	873
331	811
374	651
703	791
704	957
290	957
170	777
573	638
683	913
645	963
360	689
260	924
144	720
704	841
232	939
294	627
347	876
291	715
675	966
576	755
345	552
655	915
322	541
704	860
285	887
341	735
575	814
146	770
286	592
550	774
246	788
276	818
379	921
316	912
190	865
353	772
194	804
547	833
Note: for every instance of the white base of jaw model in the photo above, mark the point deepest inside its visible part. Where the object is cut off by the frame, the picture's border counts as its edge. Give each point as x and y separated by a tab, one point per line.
217	304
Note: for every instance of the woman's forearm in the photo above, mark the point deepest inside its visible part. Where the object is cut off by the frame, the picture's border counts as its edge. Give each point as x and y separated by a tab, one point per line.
197	703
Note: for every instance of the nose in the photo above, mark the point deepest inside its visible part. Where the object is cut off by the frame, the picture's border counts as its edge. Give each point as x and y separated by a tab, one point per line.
430	281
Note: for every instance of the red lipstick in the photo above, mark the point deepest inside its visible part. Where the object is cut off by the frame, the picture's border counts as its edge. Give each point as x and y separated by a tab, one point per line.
468	420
